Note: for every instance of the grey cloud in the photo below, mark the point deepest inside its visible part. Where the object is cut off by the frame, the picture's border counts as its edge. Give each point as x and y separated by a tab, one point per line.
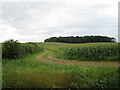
44	19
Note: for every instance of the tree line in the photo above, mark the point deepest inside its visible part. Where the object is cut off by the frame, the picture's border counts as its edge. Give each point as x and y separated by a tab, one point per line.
81	39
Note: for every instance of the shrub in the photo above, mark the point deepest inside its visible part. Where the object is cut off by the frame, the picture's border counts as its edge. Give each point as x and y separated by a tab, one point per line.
11	49
15	50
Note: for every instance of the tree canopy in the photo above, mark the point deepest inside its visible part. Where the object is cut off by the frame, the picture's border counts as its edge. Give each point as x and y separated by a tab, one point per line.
81	39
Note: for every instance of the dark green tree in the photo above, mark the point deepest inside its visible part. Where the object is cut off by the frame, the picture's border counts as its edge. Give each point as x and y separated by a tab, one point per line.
78	39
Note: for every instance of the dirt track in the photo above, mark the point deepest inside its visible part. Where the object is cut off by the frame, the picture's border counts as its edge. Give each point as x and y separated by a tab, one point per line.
47	57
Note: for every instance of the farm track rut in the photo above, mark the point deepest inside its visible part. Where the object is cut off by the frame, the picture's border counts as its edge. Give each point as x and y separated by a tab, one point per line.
47	57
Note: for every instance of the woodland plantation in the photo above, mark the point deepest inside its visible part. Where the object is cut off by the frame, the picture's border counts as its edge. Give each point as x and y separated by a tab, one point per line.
80	39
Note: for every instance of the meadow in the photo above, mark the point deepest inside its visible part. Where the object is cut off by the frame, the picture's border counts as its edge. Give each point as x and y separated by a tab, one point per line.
40	70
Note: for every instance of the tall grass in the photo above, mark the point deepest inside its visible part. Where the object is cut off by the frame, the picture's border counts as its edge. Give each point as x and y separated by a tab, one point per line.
30	73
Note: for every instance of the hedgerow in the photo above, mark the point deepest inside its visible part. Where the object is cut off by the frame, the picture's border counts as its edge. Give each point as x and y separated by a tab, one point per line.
12	49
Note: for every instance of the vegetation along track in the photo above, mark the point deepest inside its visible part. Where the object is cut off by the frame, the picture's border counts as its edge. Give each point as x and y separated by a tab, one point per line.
47	57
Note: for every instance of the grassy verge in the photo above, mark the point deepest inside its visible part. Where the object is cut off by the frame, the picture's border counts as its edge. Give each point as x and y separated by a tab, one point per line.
30	73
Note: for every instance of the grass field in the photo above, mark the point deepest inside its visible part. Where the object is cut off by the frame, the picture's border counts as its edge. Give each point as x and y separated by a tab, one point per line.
43	70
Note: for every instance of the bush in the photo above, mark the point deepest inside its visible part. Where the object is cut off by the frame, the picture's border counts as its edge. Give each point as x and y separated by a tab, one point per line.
10	49
26	49
15	50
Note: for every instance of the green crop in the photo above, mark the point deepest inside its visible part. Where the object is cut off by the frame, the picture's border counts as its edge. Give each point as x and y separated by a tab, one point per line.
98	52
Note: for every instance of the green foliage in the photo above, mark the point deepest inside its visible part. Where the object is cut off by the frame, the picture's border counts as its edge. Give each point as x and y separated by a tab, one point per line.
30	73
10	49
15	50
26	49
98	52
78	39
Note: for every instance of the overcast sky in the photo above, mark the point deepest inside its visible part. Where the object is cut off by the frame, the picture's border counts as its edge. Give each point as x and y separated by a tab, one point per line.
36	21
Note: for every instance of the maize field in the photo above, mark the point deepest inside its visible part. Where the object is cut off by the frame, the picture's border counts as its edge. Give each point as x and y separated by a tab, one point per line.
95	52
